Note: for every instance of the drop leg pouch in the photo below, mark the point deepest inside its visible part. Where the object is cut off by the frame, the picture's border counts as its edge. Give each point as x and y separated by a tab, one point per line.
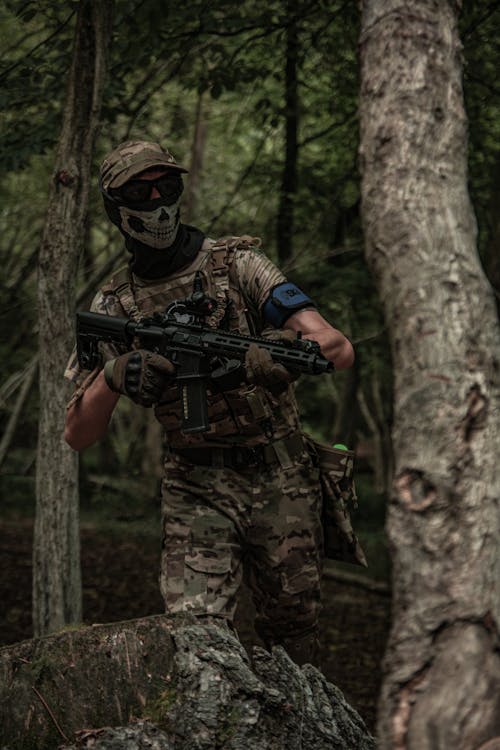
337	484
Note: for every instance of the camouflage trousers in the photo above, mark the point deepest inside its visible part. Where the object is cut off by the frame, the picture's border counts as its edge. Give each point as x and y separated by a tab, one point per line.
262	523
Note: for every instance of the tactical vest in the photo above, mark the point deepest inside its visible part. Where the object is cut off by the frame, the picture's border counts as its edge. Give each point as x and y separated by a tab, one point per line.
247	414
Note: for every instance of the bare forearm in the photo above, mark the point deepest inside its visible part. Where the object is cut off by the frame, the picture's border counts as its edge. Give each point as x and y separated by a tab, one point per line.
334	345
87	420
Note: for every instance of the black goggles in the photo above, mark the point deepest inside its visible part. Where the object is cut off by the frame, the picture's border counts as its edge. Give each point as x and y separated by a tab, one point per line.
138	192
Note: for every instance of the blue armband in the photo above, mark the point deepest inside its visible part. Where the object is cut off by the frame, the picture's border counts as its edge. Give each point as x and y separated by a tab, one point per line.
284	300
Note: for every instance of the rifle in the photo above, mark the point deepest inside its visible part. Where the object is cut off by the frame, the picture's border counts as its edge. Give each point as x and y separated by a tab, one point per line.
202	355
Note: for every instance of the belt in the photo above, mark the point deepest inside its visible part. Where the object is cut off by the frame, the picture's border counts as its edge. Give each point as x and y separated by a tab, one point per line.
241	456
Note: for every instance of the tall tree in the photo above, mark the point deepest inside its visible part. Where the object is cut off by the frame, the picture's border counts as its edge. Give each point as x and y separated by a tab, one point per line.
284	229
442	666
56	559
197	157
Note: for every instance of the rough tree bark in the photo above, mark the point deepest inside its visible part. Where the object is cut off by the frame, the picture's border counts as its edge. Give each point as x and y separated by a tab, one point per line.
442	681
56	560
190	682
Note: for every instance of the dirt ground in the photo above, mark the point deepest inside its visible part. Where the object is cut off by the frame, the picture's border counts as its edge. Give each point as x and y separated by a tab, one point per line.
120	583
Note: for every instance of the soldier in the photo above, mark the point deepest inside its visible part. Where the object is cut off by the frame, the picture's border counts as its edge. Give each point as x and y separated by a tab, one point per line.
244	497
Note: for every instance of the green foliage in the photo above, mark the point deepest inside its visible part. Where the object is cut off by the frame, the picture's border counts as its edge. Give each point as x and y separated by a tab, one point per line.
36	41
227	60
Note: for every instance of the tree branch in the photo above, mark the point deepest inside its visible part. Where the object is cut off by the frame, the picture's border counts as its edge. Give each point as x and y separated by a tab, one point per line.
30	53
321	133
238	184
50	713
27	377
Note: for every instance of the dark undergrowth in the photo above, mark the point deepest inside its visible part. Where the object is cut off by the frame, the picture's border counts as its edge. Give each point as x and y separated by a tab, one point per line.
120	572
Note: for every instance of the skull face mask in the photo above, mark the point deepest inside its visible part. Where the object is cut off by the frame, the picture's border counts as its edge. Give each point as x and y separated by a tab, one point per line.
141	186
157	229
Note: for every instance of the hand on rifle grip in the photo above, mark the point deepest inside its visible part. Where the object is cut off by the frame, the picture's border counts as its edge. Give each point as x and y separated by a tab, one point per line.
141	375
261	369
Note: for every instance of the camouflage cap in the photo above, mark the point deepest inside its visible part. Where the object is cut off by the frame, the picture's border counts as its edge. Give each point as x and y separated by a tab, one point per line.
132	157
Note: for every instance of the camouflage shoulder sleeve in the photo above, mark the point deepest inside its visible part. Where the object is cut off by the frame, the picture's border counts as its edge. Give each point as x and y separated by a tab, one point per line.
257	275
106	304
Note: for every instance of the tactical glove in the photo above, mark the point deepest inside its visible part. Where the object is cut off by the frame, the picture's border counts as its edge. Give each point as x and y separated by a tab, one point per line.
261	369
140	375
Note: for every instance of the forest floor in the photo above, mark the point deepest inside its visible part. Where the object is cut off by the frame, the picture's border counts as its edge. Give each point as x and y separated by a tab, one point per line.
120	583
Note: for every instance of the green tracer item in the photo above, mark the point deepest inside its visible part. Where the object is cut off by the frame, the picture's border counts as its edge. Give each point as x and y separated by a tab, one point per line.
341	447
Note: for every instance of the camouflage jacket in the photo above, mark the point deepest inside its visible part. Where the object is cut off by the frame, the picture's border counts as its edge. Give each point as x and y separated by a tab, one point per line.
240	278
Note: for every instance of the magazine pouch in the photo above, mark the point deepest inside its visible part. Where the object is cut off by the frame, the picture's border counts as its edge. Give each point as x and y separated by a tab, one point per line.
336	468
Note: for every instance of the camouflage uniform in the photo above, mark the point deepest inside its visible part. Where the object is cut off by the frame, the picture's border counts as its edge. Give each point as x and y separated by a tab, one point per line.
245	494
259	517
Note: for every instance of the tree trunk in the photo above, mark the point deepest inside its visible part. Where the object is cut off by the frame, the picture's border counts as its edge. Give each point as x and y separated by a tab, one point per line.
56	560
442	670
289	178
192	678
196	164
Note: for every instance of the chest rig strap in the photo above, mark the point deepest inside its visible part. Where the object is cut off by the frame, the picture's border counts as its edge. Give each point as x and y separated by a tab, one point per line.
221	258
121	286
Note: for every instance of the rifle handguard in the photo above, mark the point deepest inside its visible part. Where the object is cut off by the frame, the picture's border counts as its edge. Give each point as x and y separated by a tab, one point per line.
198	352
